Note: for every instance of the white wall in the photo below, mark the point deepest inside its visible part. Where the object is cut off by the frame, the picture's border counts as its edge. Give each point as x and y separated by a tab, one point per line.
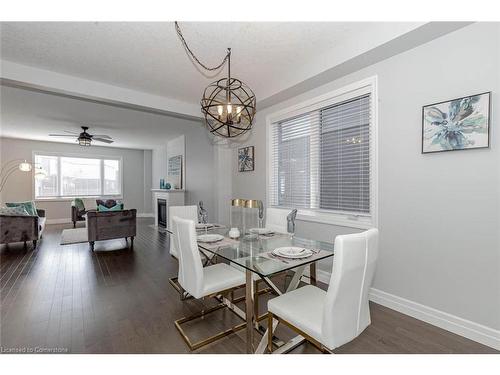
175	147
438	213
159	161
198	164
19	185
147	172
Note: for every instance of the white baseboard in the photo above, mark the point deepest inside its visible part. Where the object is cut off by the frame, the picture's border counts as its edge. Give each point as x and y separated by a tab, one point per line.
463	327
146	215
59	221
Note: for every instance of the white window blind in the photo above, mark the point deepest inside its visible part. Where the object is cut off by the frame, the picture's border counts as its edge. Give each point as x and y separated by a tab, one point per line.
320	160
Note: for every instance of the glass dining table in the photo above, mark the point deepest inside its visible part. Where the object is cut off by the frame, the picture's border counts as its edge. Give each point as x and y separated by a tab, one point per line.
253	253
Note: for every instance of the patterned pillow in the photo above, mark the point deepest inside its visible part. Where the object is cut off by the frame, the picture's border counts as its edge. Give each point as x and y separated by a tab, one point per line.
14	211
28	206
78	203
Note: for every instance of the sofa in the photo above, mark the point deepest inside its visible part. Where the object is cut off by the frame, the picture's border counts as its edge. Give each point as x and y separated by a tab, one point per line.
22	228
109	225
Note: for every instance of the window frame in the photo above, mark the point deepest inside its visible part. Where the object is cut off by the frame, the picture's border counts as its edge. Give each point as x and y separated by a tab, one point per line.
353	90
61	198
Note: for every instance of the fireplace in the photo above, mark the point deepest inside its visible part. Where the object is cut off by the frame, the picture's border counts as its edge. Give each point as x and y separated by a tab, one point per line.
162	200
162	212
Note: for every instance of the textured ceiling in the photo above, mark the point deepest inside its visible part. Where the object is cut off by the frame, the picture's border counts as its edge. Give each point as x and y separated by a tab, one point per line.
269	57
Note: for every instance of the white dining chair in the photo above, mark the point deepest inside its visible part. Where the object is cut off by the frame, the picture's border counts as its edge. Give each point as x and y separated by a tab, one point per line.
189	213
335	317
276	219
200	282
184	212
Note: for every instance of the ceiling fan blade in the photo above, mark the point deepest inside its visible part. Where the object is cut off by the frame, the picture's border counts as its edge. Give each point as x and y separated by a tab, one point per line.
71	132
63	135
101	136
102	140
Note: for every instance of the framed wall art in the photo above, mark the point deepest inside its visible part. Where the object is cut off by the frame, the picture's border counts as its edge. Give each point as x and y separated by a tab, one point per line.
457	124
246	159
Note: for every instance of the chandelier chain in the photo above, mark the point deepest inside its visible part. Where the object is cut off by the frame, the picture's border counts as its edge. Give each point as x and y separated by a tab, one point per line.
191	53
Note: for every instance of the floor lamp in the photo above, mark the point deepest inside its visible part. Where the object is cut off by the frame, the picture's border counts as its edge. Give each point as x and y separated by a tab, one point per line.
17	165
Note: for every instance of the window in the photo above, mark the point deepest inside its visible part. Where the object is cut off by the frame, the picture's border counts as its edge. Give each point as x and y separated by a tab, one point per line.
322	157
69	176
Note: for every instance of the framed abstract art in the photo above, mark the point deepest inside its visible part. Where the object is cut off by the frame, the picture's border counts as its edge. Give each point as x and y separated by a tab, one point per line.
457	124
246	160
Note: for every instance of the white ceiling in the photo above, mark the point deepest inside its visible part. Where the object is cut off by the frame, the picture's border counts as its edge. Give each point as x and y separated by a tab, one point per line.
144	64
148	57
33	115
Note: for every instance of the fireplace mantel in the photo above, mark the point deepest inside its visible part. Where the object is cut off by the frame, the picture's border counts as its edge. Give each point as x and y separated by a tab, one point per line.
168	191
173	198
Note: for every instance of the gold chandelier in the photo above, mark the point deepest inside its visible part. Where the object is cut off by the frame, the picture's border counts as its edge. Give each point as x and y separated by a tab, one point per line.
228	105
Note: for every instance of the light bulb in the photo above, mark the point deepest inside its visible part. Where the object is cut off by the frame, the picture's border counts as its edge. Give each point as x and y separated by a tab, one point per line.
238	114
25	166
220	109
40	173
229	108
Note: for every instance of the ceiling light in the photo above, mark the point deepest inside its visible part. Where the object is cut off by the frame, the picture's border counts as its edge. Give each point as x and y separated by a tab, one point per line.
84	141
25	166
228	105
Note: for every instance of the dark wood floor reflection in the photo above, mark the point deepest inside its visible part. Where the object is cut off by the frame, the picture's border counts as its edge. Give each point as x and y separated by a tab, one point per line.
120	301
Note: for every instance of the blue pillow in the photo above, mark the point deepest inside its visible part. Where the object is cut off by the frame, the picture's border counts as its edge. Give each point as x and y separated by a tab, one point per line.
14	211
117	207
28	206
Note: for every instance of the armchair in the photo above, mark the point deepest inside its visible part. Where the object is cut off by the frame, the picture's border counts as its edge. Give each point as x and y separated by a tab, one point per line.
77	211
109	225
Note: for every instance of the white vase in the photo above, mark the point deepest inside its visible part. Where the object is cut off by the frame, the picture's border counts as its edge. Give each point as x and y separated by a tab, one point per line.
234	233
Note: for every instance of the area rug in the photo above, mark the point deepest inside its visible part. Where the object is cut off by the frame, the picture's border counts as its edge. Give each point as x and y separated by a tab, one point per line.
71	236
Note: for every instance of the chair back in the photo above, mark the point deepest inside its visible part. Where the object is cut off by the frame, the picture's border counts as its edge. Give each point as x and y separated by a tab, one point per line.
183	212
276	219
190	267
346	313
109	225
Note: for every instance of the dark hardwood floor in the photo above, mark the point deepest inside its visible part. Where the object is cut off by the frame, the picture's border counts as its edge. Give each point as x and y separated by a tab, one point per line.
68	299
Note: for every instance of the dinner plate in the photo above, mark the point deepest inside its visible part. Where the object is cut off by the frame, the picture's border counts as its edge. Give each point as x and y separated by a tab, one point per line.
208	238
292	252
203	226
260	230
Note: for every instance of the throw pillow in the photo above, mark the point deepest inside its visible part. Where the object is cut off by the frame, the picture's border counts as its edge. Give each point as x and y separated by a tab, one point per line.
108	204
78	203
117	207
14	211
28	206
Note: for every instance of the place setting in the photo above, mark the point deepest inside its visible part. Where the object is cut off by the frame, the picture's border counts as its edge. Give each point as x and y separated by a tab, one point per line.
265	232
213	240
205	227
289	254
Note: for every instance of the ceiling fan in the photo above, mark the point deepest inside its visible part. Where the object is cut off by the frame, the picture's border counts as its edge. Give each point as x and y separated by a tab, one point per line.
84	138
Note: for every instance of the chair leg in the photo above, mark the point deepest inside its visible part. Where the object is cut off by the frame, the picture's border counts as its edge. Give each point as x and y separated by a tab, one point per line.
269	332
34	244
74	224
92	243
308	338
203	313
132	242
